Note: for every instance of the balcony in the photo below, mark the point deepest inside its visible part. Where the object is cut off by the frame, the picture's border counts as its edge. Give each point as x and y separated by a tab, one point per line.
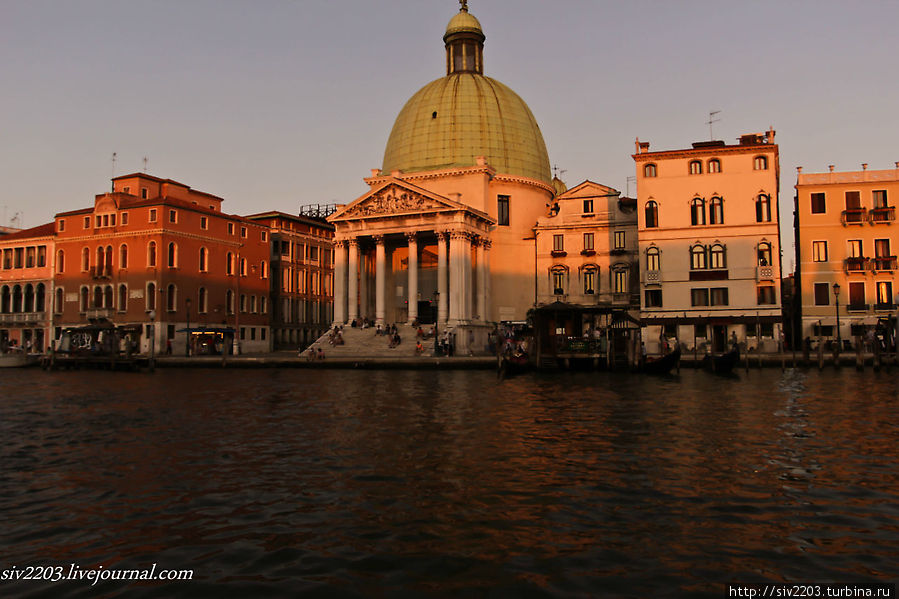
854	216
764	273
99	313
888	307
852	307
855	264
100	273
590	252
652	277
886	215
558	253
883	264
22	318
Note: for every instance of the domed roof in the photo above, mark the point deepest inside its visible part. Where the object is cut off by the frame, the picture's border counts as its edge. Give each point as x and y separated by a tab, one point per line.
463	21
452	120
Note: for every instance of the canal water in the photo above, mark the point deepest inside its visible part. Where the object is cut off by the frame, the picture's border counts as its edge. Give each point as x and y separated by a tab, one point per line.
330	483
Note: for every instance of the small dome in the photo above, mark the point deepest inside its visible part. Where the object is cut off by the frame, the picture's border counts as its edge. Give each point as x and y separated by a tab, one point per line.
463	22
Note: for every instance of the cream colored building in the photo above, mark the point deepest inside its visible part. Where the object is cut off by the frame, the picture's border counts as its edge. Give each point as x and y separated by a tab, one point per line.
846	235
446	228
710	242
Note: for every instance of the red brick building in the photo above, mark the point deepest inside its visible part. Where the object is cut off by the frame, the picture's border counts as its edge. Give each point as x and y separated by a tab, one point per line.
156	251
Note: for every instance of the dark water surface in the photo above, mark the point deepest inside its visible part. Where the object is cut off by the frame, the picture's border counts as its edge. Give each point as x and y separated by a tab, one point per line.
383	483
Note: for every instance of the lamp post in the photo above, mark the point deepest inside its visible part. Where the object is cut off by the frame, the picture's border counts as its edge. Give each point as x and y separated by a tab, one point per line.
187	330
152	315
436	324
836	297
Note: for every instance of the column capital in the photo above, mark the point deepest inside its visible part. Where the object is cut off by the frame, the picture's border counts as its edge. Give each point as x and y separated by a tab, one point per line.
486	243
442	235
352	241
412	237
378	239
460	235
340	243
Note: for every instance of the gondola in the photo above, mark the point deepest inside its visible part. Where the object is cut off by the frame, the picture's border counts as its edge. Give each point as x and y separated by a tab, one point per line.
721	363
662	364
512	364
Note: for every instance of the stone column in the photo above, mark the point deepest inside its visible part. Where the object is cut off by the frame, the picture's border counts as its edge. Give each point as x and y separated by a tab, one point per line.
442	291
380	278
482	280
413	277
353	280
339	282
458	243
363	285
467	279
485	315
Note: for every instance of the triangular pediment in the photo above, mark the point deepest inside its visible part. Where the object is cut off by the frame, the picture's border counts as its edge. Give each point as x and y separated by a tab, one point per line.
587	189
396	198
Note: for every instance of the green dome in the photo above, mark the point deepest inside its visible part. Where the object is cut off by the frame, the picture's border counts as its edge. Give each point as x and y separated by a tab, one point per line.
452	120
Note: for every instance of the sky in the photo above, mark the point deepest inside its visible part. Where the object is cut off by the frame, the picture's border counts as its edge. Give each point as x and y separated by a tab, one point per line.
273	104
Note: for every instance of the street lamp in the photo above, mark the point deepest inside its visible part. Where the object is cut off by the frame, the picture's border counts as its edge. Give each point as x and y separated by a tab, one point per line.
436	319
187	330
152	315
836	297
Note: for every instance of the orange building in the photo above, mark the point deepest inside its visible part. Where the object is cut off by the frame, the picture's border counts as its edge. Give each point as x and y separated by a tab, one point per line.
156	251
845	236
26	281
302	300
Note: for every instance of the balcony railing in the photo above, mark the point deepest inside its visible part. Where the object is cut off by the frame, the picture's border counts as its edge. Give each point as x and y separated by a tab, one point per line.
651	277
22	317
100	272
889	306
883	263
764	273
852	307
855	264
882	215
99	313
855	216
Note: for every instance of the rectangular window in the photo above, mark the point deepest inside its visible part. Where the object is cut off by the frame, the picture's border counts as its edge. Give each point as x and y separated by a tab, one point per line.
857	296
885	295
243	333
124	218
766	295
29	257
558	243
699	330
822	294
880	198
819	251
818	203
252	333
853	200
653	298
243	231
87	222
230	228
42	255
62	225
144	193
173	216
265	236
718	296
588	206
152	215
588	241
204	222
620	281
112	219
262	334
7	259
558	282
589	282
699	297
855	248
502	211
619	240
19	257
881	248
99	221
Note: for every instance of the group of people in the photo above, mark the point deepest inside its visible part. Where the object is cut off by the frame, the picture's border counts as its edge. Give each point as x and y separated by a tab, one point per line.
335	336
312	354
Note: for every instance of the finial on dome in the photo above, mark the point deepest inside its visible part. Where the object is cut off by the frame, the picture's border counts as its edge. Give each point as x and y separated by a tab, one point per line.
464	4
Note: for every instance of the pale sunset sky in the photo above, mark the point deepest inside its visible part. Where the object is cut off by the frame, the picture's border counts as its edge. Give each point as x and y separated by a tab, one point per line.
273	103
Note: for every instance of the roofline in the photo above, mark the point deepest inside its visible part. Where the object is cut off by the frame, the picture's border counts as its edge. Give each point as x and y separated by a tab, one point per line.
710	151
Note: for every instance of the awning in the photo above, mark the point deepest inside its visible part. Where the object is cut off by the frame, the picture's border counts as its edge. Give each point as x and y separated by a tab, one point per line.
210	330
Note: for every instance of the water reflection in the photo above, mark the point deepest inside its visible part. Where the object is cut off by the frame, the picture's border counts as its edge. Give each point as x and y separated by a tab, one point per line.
278	483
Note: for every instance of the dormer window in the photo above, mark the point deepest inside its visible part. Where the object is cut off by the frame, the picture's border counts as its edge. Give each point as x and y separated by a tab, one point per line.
144	193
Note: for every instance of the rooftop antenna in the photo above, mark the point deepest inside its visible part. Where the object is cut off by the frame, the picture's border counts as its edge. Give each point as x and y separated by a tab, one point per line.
17	219
146	161
631	179
112	175
712	119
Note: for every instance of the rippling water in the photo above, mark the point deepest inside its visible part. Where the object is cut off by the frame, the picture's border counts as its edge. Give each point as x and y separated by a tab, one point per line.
358	483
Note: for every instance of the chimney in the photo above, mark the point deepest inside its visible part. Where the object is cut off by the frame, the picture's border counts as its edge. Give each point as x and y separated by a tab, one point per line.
864	166
830	166
798	170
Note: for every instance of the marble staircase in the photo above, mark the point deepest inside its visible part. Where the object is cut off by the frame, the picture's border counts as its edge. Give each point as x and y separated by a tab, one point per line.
364	343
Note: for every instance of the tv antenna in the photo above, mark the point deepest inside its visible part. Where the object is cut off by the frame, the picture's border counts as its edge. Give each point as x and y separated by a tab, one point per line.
112	174
146	161
631	179
712	119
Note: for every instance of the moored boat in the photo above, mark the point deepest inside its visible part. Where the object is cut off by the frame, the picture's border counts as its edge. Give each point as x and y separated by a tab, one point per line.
721	363
661	364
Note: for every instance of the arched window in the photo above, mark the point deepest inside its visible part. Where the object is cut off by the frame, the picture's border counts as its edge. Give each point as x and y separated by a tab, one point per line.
17	299
123	299
151	297
58	303
203	259
620	278
5	300
716	211
29	299
60	261
697	257
84	299
229	264
559	279
263	270
695	167
123	256
764	253
39	298
717	257
98	297
714	165
652	214
108	259
171	298
760	163
101	263
229	301
650	170
653	259
763	208
107	296
151	256
202	300
243	267
85	260
172	255
697	212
